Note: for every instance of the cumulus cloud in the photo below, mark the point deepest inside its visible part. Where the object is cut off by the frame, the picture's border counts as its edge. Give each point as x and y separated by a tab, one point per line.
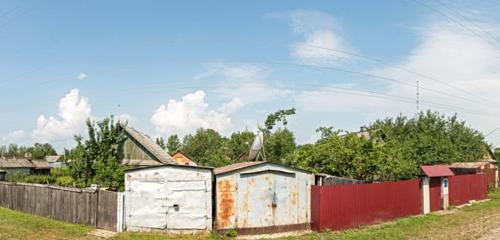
82	76
73	111
14	136
246	82
190	113
321	34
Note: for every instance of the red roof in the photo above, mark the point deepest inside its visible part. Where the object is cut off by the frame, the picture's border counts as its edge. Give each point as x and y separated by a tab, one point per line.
437	171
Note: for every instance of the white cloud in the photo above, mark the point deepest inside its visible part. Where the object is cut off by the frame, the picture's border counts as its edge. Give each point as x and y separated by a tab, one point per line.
74	110
190	113
14	136
445	52
321	34
246	82
82	76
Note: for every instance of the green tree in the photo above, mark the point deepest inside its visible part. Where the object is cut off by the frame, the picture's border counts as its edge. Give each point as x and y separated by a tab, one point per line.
41	150
96	160
173	144
238	146
395	149
280	143
161	142
206	147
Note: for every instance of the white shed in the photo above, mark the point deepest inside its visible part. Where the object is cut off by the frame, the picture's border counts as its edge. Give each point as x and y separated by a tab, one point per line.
169	198
262	197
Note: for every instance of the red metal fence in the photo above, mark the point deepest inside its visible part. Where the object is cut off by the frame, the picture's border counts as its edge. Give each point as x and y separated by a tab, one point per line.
464	188
345	206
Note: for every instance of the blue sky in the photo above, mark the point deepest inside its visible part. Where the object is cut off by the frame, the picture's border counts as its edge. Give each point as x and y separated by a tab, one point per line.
171	67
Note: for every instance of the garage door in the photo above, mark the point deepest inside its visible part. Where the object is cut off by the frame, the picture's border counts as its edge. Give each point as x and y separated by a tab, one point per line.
187	205
146	205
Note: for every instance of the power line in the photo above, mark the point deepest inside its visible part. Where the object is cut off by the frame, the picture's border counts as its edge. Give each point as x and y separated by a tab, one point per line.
464	26
456	12
382	62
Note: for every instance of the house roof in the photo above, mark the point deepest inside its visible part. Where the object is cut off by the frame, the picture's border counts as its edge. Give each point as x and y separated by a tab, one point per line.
474	165
149	145
52	158
184	157
437	171
236	166
24	163
141	162
15	163
41	164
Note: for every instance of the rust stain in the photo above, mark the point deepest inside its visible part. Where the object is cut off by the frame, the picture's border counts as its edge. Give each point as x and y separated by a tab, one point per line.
295	196
245	203
226	203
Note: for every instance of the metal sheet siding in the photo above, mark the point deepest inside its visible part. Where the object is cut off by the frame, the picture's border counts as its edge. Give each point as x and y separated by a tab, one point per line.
435	193
171	199
263	196
464	188
345	206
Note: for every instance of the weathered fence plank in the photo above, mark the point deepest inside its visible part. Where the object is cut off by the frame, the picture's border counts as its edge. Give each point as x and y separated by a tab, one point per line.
96	208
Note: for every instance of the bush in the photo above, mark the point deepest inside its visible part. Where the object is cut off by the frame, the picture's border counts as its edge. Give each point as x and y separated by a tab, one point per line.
65	181
60	172
16	177
232	233
39	179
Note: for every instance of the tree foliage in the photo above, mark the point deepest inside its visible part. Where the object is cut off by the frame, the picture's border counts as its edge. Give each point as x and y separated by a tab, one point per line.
395	148
37	151
173	144
95	160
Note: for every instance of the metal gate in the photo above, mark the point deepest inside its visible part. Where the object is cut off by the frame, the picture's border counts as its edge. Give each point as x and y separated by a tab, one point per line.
435	193
269	198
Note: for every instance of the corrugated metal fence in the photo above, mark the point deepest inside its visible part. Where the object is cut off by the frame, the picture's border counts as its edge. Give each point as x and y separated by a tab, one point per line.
74	205
345	206
464	188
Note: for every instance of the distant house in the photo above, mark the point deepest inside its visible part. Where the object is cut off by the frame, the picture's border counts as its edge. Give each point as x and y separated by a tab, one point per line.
141	151
53	161
23	165
183	159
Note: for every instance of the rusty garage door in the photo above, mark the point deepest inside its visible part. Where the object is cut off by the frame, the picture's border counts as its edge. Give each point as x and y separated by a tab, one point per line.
267	198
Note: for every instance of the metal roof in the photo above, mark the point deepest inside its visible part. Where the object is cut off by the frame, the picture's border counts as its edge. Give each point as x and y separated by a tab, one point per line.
437	171
474	165
24	163
236	166
149	145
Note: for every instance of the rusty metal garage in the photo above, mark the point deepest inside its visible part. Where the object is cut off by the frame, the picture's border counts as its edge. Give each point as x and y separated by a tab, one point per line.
169	198
262	197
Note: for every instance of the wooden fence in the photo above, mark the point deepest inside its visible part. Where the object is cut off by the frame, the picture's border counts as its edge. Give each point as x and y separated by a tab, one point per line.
74	205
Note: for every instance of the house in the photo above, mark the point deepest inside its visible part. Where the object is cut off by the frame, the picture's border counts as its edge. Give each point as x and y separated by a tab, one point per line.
23	165
53	161
171	198
183	159
486	167
141	151
262	197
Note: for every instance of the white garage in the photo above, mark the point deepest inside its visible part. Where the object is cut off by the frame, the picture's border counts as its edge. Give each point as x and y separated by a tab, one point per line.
170	198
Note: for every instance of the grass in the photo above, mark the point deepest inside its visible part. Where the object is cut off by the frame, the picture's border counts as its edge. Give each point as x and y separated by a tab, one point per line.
470	222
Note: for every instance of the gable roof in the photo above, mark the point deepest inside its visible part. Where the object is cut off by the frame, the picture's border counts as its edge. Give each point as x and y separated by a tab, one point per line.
437	171
242	165
472	165
236	166
149	145
184	159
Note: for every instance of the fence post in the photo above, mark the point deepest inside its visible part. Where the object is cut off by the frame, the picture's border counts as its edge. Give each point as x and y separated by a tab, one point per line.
444	193
426	202
120	212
